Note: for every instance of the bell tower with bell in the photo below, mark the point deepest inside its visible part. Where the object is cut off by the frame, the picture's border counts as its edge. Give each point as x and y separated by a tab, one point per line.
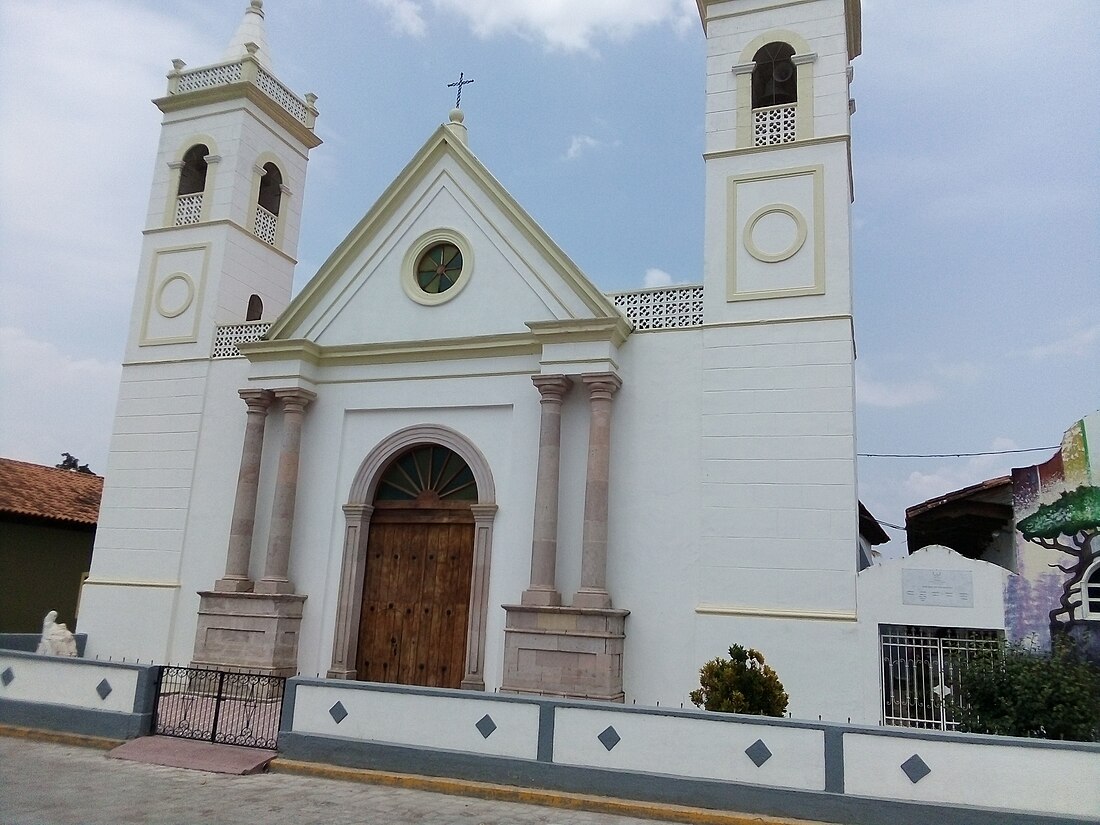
218	251
778	341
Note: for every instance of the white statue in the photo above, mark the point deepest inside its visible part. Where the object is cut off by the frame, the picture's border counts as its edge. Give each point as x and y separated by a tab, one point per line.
56	638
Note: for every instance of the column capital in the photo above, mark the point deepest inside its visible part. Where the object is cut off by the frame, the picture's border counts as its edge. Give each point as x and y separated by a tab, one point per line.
602	384
552	387
483	512
356	512
257	400
295	399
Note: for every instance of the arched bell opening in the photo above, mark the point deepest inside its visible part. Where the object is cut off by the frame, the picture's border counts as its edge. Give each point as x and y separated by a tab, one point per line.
775	76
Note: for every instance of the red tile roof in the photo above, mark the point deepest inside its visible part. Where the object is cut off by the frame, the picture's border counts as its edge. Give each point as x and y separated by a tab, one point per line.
46	492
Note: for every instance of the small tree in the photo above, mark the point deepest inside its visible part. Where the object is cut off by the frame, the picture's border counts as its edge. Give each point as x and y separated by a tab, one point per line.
1015	691
744	683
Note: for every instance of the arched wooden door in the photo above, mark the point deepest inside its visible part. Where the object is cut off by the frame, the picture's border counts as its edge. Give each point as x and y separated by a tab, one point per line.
416	590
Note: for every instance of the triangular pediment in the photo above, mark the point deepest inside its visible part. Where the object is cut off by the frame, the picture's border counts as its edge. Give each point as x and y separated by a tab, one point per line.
513	274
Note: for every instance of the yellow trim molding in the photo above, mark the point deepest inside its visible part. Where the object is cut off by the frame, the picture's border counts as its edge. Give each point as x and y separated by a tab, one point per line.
734	239
773	613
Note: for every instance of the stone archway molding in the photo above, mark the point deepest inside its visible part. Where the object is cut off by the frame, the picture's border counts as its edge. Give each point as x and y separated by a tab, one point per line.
357	514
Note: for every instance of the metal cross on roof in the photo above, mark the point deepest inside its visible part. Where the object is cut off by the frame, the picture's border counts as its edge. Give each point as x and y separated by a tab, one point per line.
459	83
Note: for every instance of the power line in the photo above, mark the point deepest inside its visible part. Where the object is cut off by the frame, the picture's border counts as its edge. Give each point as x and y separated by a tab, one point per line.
955	455
888	524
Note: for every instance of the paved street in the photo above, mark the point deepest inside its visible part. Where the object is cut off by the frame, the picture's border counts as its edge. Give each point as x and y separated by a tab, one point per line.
51	784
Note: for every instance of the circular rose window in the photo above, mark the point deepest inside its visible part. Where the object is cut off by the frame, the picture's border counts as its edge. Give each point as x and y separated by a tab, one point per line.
439	268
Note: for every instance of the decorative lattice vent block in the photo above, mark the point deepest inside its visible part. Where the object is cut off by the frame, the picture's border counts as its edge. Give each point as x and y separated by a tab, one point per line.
774	125
227	337
210	76
675	307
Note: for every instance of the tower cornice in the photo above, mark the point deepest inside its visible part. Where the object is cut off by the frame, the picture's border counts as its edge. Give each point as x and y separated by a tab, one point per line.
245	90
853	20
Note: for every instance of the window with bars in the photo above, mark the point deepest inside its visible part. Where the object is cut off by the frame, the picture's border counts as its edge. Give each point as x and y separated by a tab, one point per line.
1091	594
920	668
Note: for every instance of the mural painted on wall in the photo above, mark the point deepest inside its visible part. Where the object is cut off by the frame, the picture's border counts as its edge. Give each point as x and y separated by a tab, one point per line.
1056	505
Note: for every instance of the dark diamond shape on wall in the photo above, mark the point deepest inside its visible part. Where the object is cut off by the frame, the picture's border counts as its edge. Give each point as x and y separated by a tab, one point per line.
7	677
486	726
103	689
915	768
758	752
338	713
609	737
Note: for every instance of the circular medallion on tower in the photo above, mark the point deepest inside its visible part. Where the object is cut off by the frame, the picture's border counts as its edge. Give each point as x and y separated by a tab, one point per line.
175	295
774	233
436	267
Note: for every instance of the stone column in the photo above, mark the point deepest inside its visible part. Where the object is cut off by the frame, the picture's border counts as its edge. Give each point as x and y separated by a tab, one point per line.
275	579
474	677
236	578
544	543
593	590
350	602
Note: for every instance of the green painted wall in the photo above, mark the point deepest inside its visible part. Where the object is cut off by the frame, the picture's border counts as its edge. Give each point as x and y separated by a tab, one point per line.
40	571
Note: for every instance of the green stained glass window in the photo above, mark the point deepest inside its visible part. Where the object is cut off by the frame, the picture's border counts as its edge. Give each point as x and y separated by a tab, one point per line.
439	268
425	473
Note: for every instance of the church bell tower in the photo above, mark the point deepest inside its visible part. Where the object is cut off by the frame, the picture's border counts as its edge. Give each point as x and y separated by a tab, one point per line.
778	341
222	228
219	247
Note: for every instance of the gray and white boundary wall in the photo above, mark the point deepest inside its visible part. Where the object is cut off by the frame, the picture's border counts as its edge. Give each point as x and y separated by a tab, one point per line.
92	698
778	767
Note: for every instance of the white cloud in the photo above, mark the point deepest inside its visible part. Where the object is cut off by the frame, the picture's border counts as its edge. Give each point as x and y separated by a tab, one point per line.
570	25
580	144
79	142
406	16
1075	343
658	277
893	393
54	402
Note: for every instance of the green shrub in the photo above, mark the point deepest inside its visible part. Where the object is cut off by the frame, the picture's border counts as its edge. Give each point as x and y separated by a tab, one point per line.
1015	691
741	684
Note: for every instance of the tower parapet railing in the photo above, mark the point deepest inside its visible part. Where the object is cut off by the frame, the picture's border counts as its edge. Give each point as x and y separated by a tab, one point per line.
245	70
667	307
265	225
227	336
188	209
772	125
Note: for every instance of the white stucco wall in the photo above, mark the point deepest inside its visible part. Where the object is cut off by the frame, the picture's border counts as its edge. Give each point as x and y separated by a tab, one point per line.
881	591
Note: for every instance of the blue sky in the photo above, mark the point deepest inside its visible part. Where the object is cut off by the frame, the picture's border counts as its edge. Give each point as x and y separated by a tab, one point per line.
977	177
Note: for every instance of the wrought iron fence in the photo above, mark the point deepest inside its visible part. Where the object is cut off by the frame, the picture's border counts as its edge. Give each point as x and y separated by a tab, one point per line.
225	707
920	671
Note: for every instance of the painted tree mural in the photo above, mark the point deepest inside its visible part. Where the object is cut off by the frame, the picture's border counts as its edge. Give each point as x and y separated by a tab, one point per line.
1070	525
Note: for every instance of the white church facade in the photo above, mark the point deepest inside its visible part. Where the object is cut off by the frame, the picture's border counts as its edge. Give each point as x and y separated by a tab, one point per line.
451	459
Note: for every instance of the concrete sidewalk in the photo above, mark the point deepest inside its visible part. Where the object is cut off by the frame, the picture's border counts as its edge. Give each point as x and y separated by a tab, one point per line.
51	783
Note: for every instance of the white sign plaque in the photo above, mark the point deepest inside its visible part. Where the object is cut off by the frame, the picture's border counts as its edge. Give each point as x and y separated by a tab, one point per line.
938	588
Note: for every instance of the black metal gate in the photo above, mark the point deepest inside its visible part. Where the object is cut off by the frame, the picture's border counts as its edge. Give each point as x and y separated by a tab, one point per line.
226	707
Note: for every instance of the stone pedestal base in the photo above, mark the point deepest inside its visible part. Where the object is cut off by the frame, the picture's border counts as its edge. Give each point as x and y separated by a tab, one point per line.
571	652
249	631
